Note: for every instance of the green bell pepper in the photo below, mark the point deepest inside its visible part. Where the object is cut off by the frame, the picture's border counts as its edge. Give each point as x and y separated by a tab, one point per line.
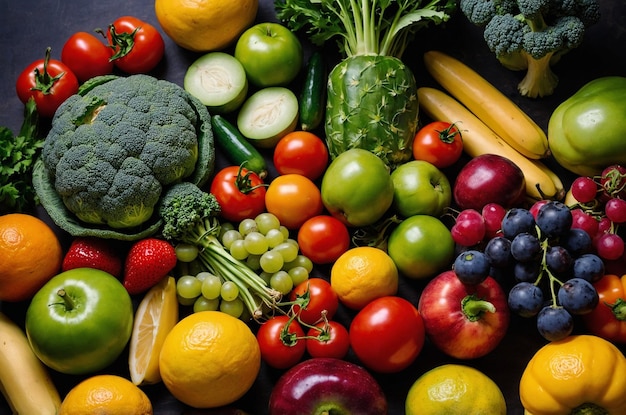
587	132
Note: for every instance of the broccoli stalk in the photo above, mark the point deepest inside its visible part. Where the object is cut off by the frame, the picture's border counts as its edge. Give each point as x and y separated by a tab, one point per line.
189	216
532	35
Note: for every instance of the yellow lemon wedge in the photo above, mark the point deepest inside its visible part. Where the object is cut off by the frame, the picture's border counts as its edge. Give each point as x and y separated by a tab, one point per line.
156	315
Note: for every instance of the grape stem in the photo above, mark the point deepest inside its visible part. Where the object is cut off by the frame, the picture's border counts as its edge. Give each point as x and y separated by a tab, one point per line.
552	280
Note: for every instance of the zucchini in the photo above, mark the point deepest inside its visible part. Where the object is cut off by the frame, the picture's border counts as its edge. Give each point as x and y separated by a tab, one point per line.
236	147
313	94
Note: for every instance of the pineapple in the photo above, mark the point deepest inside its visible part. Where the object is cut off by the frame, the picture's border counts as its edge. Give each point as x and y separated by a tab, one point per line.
372	104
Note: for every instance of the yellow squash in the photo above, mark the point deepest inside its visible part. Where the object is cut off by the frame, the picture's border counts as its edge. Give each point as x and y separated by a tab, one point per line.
581	374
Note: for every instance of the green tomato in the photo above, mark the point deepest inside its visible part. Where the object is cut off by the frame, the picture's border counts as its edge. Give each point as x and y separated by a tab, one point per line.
357	188
420	188
80	321
586	131
421	246
270	53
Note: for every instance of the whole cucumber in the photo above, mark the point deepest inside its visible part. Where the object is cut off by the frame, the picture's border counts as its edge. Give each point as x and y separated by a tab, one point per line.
235	146
313	93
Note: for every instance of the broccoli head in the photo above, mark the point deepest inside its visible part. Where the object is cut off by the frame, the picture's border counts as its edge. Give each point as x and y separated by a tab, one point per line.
112	151
532	35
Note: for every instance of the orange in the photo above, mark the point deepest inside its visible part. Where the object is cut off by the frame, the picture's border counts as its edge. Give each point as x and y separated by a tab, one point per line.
209	359
205	25
156	315
30	254
363	274
106	394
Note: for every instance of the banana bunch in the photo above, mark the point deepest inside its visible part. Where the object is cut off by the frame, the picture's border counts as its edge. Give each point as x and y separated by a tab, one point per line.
490	122
24	380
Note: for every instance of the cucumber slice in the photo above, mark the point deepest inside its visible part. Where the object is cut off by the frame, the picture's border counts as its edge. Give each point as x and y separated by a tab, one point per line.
218	80
268	115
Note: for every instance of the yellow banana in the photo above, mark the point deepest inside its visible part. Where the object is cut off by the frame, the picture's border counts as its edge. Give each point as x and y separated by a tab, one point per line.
479	139
558	183
24	380
489	104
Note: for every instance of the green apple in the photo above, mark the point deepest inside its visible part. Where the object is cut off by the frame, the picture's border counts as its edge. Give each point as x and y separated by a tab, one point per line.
420	188
421	246
270	53
357	188
80	321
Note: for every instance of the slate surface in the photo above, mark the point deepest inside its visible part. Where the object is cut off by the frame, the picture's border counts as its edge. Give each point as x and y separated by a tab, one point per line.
27	27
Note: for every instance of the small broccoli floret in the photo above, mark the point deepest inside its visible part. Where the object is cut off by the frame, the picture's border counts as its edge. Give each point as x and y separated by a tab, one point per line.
188	213
189	216
533	35
111	151
480	12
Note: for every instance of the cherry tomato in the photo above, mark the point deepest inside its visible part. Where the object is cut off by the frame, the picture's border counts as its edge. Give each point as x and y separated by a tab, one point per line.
318	296
387	334
49	82
293	198
282	343
323	239
240	193
301	152
87	56
328	339
440	143
138	45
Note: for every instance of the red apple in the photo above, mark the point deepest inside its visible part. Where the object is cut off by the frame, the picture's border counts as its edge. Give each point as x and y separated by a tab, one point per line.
489	178
464	321
325	386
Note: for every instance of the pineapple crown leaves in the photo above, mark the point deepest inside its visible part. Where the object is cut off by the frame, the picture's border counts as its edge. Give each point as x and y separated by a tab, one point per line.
381	27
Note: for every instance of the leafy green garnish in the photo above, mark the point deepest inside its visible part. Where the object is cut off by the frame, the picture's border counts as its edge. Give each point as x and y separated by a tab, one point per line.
380	27
17	157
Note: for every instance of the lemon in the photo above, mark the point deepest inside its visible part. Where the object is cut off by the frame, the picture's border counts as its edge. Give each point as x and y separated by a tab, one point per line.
209	359
454	389
205	25
106	394
363	274
156	315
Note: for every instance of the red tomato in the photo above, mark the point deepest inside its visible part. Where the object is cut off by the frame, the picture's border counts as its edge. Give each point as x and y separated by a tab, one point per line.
139	46
328	339
87	56
281	341
49	82
323	239
240	193
317	296
439	143
294	199
607	319
301	152
387	334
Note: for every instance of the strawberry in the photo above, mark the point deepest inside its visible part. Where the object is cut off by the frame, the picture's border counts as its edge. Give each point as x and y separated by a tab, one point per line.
92	252
148	261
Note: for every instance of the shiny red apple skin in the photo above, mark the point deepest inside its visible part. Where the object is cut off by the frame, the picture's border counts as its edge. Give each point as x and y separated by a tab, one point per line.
327	385
489	178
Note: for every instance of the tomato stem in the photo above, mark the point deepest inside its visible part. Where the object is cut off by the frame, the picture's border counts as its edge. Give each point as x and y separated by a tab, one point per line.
43	81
